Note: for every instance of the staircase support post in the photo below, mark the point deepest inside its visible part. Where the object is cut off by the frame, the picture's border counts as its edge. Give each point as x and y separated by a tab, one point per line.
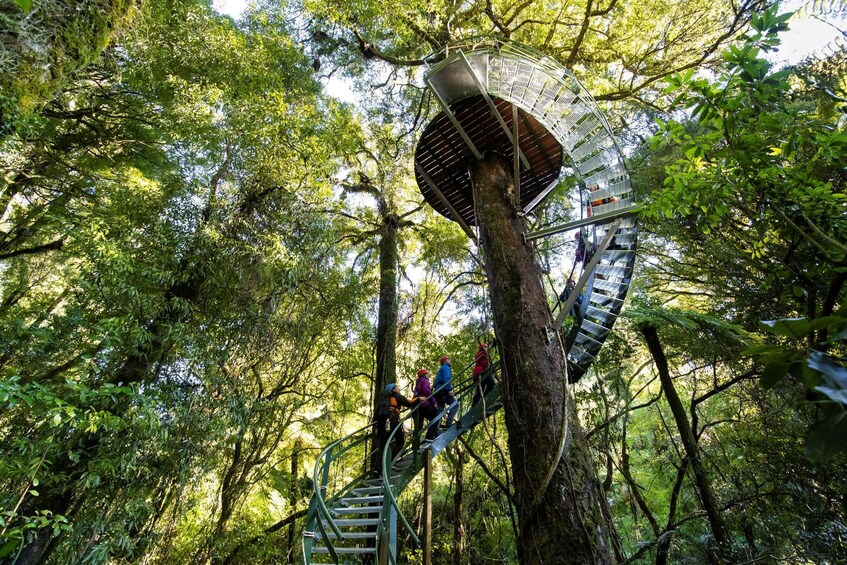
427	521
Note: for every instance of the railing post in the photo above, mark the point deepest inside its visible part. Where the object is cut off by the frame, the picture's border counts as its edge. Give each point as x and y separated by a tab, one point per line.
392	534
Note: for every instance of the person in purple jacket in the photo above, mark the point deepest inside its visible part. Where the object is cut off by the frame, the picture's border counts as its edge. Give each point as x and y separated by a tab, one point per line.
428	408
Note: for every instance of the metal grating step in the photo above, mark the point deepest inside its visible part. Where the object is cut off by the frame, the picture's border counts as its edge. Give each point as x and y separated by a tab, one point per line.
602	315
579	356
612	271
616	205
361	499
596	330
354	522
587	341
348	510
352	535
614	189
600	140
345	550
363	490
617	255
610	302
615	173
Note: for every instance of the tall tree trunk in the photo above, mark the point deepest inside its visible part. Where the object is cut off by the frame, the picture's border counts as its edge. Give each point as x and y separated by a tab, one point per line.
692	452
564	519
386	327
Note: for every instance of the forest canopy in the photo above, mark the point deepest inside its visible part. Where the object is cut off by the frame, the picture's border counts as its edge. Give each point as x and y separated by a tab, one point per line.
210	268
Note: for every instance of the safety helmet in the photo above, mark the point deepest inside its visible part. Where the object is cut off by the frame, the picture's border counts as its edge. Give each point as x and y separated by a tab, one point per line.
422	372
390	387
443	360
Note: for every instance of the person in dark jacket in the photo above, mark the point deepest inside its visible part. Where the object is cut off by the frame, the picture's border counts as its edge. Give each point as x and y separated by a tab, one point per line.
576	309
483	378
444	391
388	418
428	408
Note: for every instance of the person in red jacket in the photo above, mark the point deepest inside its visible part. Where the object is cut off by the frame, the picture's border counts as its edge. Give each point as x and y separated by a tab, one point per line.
483	378
428	407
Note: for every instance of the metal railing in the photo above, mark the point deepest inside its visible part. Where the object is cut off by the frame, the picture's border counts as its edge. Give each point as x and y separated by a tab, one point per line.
463	394
322	519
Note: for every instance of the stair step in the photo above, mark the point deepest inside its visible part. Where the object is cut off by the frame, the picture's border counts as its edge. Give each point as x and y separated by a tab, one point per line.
346	550
612	271
378	482
352	535
595	330
356	510
354	522
586	341
361	499
618	257
609	302
365	490
579	356
600	314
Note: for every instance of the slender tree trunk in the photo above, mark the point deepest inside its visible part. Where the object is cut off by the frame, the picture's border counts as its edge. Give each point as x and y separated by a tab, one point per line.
689	442
563	515
459	541
293	500
663	550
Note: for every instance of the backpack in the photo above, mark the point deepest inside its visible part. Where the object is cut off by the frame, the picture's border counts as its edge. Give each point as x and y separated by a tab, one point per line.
383	407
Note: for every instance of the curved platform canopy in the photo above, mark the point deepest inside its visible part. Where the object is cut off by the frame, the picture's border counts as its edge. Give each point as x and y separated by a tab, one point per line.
488	93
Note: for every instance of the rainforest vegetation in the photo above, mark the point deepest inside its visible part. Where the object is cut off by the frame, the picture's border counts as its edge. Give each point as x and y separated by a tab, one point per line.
210	266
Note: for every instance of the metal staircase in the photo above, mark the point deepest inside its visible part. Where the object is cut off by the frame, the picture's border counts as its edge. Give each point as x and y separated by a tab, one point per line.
357	520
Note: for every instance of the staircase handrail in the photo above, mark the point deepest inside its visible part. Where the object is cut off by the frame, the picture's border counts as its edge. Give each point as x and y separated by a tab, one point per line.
322	508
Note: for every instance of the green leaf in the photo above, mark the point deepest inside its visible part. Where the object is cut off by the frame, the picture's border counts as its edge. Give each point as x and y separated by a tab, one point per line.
798	328
25	5
762	349
773	373
827	438
8	548
834	376
794	328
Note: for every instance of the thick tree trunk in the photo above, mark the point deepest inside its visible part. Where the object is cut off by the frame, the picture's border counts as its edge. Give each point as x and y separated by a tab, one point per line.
386	328
568	521
692	452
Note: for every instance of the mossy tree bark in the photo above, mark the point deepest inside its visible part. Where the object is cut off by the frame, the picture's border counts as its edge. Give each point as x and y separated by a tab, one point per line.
386	327
563	516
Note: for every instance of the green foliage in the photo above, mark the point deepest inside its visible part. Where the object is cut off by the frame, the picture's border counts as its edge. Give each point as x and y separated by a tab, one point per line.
816	369
185	304
52	35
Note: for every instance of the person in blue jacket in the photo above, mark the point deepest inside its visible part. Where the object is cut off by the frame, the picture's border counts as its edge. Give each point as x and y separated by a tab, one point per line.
444	391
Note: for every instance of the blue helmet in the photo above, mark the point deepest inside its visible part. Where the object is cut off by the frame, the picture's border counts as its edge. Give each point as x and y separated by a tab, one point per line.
390	387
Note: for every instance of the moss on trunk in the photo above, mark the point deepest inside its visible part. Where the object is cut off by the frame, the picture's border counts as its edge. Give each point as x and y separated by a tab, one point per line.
567	522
